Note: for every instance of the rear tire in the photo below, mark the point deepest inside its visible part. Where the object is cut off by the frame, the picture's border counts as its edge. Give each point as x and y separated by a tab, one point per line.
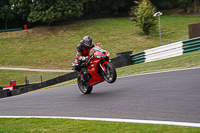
84	88
111	74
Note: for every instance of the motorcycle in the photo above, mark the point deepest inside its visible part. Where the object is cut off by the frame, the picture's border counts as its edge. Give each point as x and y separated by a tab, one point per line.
98	69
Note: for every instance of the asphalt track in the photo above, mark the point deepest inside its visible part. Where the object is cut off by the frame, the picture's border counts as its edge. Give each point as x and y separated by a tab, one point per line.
167	96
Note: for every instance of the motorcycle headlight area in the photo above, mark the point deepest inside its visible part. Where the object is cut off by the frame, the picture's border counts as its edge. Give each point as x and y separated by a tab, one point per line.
100	56
108	54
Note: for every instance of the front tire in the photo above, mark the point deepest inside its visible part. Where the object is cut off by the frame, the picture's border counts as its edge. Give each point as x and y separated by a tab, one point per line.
110	75
84	88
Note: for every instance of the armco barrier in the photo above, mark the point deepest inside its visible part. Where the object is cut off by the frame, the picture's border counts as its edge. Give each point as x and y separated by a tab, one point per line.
3	93
121	61
138	57
162	52
16	29
31	87
167	51
191	45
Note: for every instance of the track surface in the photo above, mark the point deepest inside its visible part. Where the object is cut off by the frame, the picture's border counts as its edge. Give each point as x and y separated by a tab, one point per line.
168	96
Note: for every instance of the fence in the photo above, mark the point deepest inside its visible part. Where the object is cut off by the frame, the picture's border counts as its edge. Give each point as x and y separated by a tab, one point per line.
39	78
167	51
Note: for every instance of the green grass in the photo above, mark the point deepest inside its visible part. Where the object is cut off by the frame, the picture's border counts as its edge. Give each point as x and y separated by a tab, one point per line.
55	47
81	126
190	60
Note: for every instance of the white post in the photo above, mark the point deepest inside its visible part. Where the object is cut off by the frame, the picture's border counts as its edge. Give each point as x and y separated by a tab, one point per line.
159	30
159	14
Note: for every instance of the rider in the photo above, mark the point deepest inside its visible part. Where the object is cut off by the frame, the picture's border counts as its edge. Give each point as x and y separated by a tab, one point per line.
83	49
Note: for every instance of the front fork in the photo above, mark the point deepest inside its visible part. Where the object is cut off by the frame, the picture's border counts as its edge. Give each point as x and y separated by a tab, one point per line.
103	66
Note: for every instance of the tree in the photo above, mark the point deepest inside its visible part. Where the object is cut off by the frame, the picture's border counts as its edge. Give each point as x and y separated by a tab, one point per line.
117	4
143	16
189	5
165	4
21	8
6	11
48	11
184	4
104	8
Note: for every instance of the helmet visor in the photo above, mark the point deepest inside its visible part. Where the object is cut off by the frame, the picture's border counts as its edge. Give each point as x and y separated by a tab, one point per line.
88	43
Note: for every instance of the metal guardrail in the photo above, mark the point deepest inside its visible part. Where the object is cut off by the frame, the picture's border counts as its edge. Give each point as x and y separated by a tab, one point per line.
6	30
167	51
191	45
138	57
163	52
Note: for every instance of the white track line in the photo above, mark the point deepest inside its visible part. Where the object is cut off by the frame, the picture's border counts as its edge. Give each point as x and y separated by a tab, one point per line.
187	124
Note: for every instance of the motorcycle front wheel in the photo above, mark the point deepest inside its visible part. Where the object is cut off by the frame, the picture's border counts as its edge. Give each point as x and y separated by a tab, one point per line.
110	74
84	88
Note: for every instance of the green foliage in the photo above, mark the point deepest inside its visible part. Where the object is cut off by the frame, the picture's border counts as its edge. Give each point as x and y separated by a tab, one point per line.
189	5
143	16
48	11
21	8
165	4
183	4
106	7
117	4
6	11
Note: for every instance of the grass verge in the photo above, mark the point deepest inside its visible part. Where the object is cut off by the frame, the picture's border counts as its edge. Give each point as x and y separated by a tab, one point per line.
190	60
79	126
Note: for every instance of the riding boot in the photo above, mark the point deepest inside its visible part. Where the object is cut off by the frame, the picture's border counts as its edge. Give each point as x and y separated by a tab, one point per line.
85	74
83	79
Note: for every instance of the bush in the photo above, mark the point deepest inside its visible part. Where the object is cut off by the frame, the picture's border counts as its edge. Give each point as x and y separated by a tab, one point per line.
143	16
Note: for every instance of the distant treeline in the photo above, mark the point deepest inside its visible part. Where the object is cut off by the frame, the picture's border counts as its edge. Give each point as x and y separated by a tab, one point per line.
16	13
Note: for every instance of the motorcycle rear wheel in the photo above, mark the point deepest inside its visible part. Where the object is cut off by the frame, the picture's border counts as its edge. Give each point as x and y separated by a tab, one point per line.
111	74
84	88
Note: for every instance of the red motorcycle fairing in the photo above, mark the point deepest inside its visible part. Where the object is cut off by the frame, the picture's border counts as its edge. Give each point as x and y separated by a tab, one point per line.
93	70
